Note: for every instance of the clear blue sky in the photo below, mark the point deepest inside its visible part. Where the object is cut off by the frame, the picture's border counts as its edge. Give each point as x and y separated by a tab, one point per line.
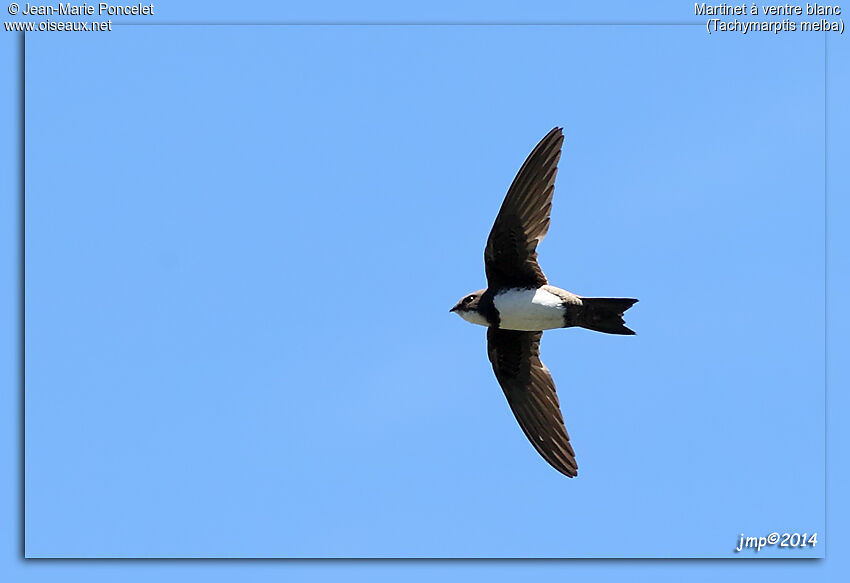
242	244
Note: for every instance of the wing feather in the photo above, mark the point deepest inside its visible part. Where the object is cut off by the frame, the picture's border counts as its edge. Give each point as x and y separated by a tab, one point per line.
531	394
510	257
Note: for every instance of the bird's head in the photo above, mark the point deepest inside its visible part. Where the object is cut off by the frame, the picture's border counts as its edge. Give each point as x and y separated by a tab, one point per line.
467	308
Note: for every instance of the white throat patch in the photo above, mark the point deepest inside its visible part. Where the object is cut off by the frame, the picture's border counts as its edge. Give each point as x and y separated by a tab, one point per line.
474	318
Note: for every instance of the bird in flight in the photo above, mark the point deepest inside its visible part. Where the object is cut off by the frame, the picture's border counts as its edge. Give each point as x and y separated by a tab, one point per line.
518	304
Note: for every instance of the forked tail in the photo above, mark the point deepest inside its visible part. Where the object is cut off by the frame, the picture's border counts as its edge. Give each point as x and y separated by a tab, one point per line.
605	314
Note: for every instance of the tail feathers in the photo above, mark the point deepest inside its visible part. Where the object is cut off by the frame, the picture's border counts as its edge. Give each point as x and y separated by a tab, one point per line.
606	314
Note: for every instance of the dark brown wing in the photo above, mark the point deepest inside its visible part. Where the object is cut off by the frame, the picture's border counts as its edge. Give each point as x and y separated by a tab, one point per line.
510	258
531	394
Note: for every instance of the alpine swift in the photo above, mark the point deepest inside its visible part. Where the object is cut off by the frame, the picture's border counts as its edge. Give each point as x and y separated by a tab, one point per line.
518	304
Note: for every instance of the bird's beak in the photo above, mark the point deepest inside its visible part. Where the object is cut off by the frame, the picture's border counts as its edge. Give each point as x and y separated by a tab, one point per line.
453	309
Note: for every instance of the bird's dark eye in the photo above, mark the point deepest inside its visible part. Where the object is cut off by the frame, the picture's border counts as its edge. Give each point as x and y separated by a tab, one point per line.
468	299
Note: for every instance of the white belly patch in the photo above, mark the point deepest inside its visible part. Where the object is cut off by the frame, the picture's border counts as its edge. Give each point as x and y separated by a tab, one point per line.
529	309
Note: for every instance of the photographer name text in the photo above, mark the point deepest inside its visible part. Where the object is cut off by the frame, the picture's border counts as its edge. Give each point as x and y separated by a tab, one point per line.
100	9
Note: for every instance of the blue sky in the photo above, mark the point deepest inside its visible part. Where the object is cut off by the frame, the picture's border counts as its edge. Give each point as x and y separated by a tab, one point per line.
242	243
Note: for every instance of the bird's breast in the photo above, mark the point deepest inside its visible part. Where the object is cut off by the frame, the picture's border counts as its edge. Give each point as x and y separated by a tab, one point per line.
529	309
